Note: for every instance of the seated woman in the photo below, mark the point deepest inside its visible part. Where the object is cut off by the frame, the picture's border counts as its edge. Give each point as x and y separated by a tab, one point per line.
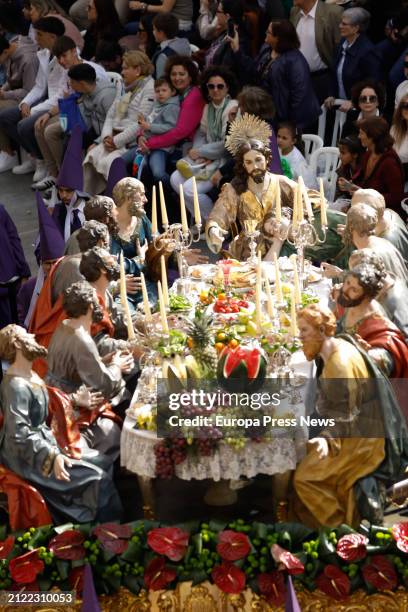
381	168
368	98
121	123
399	131
208	152
182	72
351	152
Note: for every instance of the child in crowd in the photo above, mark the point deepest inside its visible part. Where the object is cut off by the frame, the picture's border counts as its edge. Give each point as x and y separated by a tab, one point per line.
162	118
351	152
290	147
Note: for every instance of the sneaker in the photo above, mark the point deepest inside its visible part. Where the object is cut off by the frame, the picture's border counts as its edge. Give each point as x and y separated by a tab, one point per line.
40	171
184	168
25	168
46	183
7	162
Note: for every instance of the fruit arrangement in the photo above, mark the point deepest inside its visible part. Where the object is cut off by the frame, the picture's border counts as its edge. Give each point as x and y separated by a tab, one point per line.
225	305
242	368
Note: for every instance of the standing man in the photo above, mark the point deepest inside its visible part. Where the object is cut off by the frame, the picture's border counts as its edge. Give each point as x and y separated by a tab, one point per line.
317	25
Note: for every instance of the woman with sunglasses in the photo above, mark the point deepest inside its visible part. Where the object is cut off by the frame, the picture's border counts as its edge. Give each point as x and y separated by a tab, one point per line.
207	154
368	99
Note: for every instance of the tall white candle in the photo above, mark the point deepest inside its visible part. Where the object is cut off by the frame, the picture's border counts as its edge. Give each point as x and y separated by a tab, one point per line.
296	284
258	289
278	204
270	308
154	211
165	220
197	213
295	214
123	299
146	305
293	324
300	200
162	308
308	203
183	212
165	286
323	208
278	286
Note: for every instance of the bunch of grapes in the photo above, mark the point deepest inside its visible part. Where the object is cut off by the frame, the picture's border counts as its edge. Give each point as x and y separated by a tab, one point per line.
164	462
206	446
178	450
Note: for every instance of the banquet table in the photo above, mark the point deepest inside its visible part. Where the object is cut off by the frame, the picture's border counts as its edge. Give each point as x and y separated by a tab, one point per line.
275	456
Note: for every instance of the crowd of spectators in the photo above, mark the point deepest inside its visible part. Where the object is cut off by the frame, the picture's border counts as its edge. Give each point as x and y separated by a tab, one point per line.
158	83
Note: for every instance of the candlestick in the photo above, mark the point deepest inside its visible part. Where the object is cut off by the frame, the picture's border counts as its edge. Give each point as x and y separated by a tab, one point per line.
197	213
278	206
308	203
183	212
296	284
278	286
323	209
162	308
165	220
301	215
270	307
295	214
154	211
293	325
258	288
146	305
165	286
123	299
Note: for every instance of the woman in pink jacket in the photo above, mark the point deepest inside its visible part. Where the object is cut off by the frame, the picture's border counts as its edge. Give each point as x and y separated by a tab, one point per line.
183	74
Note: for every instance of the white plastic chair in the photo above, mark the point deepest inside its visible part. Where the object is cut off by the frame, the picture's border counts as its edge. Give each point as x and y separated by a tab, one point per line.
312	142
116	80
339	121
323	164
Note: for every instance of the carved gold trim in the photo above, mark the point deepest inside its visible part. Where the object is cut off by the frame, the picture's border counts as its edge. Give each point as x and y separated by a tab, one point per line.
207	598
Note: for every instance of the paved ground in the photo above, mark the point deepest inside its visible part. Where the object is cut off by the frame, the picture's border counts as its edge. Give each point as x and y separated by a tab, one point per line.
19	200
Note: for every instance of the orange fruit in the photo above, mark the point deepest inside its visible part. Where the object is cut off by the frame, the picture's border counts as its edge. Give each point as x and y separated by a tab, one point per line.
221	337
219	346
233	343
190	343
221	296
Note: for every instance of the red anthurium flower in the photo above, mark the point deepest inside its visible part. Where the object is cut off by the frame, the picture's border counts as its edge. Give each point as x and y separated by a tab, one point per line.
286	560
400	535
112	531
68	545
113	537
272	587
24	569
233	545
6	546
169	541
76	579
352	547
380	573
157	576
228	578
333	582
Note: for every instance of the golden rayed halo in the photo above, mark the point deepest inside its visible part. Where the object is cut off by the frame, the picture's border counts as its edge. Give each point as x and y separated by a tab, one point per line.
247	127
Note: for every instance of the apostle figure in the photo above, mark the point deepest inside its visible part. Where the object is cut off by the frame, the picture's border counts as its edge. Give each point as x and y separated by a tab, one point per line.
74	490
364	318
362	449
360	229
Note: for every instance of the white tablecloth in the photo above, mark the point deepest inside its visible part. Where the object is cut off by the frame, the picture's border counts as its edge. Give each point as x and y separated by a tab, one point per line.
276	456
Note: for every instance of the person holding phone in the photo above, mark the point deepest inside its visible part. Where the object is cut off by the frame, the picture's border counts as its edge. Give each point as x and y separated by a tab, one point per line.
230	19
